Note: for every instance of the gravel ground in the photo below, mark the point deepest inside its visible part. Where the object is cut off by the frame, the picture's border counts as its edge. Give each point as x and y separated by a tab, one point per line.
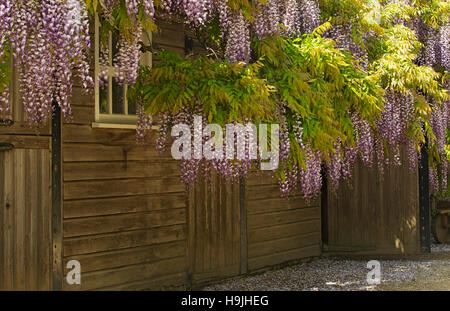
422	272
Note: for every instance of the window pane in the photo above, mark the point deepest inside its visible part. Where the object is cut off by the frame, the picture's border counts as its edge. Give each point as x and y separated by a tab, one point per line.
131	107
104	99
117	98
115	40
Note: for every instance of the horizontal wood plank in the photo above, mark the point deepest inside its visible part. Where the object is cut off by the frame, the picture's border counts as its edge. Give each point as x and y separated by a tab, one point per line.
123	222
103	152
74	171
81	114
121	205
263	192
121	187
130	256
115	241
99	279
262	262
26	142
282	231
166	282
274	205
282	217
284	244
86	133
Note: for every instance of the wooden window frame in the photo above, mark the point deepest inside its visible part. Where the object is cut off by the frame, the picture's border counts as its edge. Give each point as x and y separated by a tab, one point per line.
110	120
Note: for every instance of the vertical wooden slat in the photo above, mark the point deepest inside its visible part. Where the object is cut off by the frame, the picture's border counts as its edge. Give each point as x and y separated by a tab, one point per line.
2	217
220	224
45	250
237	226
31	207
198	229
243	228
229	223
207	223
19	214
8	222
191	243
214	229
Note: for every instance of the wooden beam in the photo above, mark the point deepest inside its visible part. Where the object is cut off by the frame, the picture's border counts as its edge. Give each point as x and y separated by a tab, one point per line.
324	205
243	221
424	202
57	269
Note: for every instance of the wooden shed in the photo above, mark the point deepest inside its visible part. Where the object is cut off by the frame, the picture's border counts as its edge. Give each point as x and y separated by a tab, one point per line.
84	190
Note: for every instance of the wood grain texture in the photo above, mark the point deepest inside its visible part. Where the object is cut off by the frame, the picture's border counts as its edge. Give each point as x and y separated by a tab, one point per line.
21	125
125	208
214	232
25	239
279	230
377	212
131	223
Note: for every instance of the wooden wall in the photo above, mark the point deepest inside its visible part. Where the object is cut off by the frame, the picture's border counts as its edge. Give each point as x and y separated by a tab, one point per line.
125	211
376	213
133	225
279	230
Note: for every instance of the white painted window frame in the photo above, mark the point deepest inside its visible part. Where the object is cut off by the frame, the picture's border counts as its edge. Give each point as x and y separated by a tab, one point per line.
110	120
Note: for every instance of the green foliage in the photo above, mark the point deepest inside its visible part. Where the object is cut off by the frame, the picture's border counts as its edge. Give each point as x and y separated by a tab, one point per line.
395	69
447	146
316	81
5	69
394	12
434	13
322	85
227	92
119	19
340	12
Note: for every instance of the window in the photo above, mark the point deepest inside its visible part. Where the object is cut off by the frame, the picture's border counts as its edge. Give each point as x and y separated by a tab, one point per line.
112	108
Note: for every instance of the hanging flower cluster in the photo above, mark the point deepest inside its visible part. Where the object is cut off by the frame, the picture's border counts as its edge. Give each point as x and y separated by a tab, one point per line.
128	47
400	107
238	40
319	88
231	170
48	39
5	113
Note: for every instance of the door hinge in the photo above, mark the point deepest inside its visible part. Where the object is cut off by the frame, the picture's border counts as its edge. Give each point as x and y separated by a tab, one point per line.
6	146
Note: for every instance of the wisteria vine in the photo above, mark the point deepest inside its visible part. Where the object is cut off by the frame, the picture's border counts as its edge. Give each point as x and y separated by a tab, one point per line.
49	42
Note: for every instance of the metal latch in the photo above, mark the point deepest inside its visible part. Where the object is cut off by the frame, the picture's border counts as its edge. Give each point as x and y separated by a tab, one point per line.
6	146
6	122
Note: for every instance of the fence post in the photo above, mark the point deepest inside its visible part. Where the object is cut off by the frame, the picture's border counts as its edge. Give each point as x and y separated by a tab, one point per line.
324	205
424	201
243	227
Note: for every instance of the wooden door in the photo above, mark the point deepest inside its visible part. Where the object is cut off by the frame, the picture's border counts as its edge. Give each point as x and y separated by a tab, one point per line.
25	213
214	230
